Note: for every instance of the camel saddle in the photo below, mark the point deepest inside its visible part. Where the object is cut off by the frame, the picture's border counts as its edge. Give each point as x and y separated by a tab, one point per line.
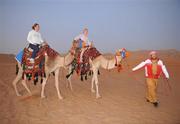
33	70
84	67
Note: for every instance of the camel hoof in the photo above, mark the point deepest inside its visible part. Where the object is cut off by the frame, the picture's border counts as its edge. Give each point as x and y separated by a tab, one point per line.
18	94
98	97
61	98
42	97
30	94
93	91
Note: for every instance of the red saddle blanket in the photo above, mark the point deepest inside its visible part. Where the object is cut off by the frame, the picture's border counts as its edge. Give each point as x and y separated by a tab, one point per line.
33	70
90	53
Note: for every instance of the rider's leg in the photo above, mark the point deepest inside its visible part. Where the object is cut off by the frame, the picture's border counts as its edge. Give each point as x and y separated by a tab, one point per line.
35	50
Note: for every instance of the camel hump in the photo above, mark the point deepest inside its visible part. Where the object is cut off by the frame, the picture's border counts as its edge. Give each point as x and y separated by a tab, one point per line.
92	53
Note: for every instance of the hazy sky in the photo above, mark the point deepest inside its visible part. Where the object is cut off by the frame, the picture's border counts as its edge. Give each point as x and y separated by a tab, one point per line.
133	24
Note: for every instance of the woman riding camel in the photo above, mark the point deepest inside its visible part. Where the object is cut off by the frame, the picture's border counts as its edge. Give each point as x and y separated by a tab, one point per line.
154	67
35	40
84	43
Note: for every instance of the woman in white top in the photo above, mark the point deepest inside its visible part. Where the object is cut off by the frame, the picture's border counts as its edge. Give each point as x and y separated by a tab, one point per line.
83	42
84	38
35	40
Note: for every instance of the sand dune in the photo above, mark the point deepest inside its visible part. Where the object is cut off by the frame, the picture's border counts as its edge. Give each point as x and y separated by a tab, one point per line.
122	102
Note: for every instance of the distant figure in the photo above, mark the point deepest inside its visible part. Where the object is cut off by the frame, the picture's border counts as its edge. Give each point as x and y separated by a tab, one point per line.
35	40
84	43
123	52
154	67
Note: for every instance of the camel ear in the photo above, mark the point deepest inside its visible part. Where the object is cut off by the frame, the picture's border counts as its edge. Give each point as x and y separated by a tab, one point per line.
118	53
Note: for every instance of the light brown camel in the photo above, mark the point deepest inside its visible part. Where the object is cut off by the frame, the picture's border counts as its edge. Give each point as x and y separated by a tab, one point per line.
98	62
51	65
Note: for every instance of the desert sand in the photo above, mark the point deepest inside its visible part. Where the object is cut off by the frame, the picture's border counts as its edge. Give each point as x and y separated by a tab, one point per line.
123	96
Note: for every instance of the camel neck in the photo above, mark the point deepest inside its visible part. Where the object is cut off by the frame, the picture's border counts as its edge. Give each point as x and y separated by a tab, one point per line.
110	64
67	59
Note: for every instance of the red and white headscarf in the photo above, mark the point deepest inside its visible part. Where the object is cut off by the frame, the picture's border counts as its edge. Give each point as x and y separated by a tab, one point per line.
152	52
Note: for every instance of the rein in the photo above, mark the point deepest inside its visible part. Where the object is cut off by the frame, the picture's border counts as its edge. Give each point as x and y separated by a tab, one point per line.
64	60
116	64
107	65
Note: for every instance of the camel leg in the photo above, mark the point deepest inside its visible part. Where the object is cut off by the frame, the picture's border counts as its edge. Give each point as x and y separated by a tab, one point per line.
16	80
69	84
25	85
57	83
95	72
92	85
43	86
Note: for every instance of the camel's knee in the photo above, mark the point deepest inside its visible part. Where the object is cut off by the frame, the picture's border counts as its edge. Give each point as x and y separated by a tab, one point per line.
23	82
14	83
43	84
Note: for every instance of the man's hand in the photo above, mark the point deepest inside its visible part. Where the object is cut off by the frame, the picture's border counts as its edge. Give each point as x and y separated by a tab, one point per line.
44	43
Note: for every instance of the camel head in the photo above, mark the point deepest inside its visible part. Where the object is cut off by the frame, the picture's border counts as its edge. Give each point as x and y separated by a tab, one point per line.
75	44
73	51
120	55
118	58
70	56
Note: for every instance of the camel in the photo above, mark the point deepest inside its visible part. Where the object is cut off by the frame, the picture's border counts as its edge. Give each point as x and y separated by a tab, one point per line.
98	62
51	65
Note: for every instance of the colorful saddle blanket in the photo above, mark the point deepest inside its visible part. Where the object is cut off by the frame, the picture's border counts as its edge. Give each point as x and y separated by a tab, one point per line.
33	70
90	53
